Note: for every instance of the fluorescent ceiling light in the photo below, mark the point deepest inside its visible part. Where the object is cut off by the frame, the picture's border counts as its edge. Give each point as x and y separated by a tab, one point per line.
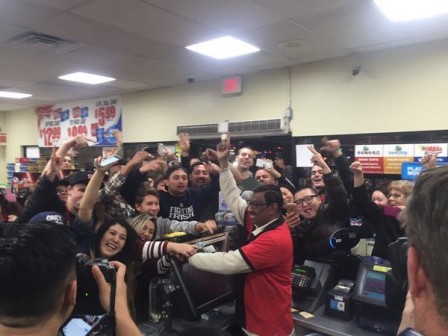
224	47
14	95
83	77
408	10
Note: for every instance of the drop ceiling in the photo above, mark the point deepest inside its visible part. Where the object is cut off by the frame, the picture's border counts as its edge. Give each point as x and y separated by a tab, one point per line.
141	42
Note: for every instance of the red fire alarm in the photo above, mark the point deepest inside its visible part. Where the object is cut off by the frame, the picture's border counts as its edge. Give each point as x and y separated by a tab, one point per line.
232	85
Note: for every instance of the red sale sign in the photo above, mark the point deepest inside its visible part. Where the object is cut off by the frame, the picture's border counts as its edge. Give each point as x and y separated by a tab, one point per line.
94	118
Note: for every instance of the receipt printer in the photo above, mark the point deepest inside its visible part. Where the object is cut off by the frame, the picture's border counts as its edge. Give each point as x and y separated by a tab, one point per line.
339	302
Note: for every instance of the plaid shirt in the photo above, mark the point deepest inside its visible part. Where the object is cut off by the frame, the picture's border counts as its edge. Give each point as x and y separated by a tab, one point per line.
115	204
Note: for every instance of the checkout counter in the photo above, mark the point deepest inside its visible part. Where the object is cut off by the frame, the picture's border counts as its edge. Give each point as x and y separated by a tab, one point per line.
349	308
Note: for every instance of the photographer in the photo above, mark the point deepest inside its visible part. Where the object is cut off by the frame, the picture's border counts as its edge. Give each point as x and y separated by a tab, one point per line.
38	282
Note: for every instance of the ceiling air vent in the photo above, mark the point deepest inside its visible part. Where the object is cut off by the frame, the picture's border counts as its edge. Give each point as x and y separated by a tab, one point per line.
243	129
34	40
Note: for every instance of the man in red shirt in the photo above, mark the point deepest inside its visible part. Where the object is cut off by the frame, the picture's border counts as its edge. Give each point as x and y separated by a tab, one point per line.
263	292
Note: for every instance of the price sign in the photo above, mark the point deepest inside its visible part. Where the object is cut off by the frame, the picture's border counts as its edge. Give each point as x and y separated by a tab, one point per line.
94	118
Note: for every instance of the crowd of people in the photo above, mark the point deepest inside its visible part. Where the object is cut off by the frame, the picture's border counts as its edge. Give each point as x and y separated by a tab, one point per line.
122	211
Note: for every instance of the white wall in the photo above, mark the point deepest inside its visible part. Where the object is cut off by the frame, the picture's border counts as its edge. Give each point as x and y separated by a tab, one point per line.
154	115
402	89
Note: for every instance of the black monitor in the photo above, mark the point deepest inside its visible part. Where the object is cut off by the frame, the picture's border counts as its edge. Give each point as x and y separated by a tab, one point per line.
371	284
199	291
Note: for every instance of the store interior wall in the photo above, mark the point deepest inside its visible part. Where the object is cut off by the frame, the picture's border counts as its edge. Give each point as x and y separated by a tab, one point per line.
401	89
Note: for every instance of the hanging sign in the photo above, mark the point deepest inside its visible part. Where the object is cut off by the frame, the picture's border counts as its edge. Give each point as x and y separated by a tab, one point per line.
94	118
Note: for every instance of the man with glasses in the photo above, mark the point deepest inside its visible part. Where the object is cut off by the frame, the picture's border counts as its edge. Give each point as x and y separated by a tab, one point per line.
263	264
319	220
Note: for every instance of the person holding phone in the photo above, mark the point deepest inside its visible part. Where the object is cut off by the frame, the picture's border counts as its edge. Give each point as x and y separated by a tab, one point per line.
38	300
383	215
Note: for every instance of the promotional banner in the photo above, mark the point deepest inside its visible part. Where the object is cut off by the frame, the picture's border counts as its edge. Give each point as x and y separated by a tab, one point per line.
395	155
371	158
94	118
439	149
398	158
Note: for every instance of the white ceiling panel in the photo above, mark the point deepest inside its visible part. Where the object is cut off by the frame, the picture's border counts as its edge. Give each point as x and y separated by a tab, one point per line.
23	14
141	42
146	21
230	16
351	27
59	4
294	8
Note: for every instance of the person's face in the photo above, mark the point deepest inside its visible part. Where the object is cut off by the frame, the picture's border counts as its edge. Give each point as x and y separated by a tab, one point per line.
113	241
177	182
245	158
259	211
62	192
317	177
396	198
162	186
379	198
288	197
307	202
264	177
199	177
150	206
75	194
67	162
147	231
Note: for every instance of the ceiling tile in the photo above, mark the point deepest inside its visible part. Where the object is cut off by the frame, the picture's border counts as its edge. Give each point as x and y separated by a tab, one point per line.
146	21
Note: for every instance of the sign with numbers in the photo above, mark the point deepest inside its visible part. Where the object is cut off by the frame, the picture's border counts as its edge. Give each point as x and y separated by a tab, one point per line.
94	118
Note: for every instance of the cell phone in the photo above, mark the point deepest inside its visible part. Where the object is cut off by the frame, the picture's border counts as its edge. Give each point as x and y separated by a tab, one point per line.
81	326
391	211
291	208
110	160
260	163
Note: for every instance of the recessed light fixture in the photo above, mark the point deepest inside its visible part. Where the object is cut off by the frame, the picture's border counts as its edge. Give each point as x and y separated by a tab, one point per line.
223	47
409	10
14	95
83	77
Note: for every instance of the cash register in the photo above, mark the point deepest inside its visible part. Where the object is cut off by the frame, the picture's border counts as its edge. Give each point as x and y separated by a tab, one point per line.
369	294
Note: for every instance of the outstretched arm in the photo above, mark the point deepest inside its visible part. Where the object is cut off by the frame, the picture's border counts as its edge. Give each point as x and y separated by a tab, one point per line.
125	326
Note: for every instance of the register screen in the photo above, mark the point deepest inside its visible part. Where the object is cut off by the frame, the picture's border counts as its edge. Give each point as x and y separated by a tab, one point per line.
374	286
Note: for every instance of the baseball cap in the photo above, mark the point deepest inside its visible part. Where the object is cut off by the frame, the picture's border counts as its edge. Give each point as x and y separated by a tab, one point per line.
78	177
51	217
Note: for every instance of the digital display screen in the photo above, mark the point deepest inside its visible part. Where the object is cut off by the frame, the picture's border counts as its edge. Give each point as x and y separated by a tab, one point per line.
81	326
374	286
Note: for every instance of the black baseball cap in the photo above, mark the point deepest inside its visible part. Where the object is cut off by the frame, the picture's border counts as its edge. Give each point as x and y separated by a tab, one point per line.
78	178
51	217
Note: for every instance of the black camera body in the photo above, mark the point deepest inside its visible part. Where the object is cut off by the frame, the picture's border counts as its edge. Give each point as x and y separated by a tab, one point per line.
87	295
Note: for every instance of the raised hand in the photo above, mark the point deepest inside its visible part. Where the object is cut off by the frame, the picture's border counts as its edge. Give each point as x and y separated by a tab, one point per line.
139	157
429	160
318	160
333	147
223	151
356	167
184	142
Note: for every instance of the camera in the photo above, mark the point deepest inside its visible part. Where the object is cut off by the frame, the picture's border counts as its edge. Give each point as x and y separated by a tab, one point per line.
87	295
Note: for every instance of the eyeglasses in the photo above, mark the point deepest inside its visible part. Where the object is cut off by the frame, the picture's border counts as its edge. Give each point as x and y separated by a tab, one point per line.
306	200
395	195
255	204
